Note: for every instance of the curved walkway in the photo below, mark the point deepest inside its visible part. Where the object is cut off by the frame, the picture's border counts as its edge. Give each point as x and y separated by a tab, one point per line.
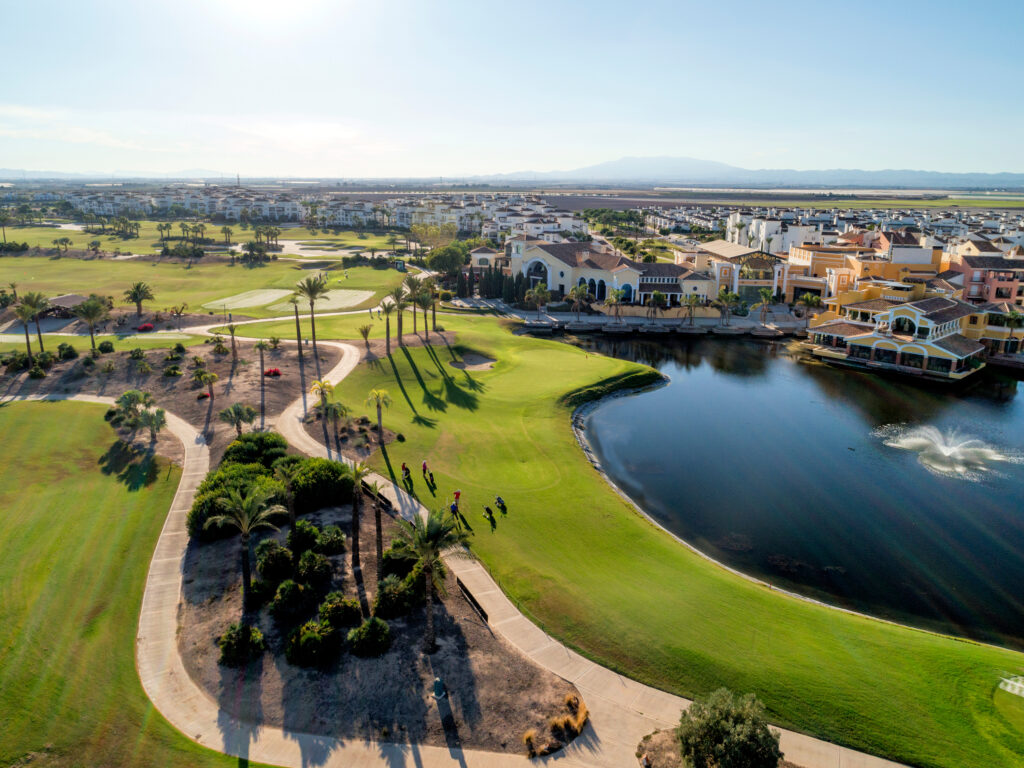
622	710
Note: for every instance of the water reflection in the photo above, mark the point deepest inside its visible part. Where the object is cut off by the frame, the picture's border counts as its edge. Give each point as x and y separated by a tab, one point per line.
779	466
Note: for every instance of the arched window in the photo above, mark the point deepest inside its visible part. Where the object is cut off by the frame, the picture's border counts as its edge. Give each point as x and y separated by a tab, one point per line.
602	290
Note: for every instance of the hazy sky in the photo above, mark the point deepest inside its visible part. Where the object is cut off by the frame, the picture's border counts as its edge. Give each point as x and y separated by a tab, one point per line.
376	88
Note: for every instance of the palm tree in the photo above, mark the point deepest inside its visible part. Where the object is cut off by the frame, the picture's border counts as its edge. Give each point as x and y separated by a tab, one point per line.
691	302
538	296
227	232
430	539
92	311
39	303
234	348
809	300
387	308
614	300
381	400
397	297
424	300
262	346
14	290
739	230
725	302
766	298
198	231
5	219
312	289
238	414
247	512
1014	319
413	285
284	473
359	473
26	313
138	293
364	331
323	389
656	303
154	421
335	411
184	230
375	490
579	296
207	379
131	405
294	301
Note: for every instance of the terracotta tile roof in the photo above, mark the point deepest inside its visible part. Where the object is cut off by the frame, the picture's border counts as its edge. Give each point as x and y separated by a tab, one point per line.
874	304
959	345
842	328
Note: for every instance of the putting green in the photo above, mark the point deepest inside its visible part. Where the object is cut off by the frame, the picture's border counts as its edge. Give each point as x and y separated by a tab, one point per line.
256	298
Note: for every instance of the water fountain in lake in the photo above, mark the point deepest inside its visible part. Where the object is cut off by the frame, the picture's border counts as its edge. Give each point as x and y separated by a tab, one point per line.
947	453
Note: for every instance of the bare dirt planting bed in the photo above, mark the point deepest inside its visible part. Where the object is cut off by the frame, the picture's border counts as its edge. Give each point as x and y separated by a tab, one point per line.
494	693
237	383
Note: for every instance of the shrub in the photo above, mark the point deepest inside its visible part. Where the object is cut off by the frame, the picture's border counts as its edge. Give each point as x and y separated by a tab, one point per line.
145	328
198	361
722	725
275	342
332	540
237	476
287	463
273	561
172	370
291	601
396	597
240	644
320	483
220	349
260	592
45	360
108	367
106	347
303	537
256	448
179	349
314	644
35	372
339	611
144	367
314	570
66	352
171	357
529	739
272	372
371	638
137	354
446	295
398	560
15	361
88	363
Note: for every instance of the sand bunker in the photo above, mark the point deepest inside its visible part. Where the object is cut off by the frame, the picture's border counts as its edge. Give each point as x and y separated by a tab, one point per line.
338	298
249	299
473	362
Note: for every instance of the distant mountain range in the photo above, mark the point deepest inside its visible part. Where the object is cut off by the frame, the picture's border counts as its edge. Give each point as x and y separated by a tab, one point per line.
662	171
688	170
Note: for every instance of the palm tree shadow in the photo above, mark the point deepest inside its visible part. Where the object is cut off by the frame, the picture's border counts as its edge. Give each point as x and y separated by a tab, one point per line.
416	417
131	465
432	401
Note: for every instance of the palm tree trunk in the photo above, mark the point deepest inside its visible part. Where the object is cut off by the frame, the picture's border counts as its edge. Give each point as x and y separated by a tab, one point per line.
138	308
337	436
414	320
263	395
387	335
323	423
429	643
380	537
92	338
400	328
433	315
246	574
357	494
238	428
312	333
298	331
28	346
380	425
39	334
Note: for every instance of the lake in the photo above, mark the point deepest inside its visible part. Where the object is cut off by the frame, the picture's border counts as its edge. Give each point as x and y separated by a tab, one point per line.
893	497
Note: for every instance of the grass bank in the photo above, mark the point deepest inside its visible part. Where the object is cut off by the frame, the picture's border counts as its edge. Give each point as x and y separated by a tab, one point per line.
77	533
586	567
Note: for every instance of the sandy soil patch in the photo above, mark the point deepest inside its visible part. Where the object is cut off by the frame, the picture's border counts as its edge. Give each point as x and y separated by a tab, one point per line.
255	298
473	362
494	693
338	298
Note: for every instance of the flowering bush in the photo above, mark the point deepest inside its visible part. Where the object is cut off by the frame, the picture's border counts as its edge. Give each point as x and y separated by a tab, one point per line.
145	328
202	395
272	372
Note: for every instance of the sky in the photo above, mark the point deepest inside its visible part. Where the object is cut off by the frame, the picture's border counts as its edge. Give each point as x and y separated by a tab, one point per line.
446	88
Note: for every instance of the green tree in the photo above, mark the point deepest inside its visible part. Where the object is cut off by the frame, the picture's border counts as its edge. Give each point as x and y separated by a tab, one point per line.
154	421
26	314
430	539
233	329
538	296
359	473
238	414
5	220
207	379
247	512
691	302
138	293
227	232
130	406
91	312
387	308
312	290
656	303
364	331
578	295
376	489
39	303
323	389
766	300
412	291
380	399
397	297
261	347
721	731
424	300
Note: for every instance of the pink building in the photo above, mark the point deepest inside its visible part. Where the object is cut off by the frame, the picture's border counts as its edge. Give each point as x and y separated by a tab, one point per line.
992	278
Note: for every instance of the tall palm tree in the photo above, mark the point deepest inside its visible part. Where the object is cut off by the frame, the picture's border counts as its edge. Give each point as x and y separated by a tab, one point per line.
424	300
538	296
375	489
312	289
397	297
766	298
413	286
248	512
238	414
227	232
387	308
138	293
809	300
262	346
381	399
430	539
323	389
39	303
691	302
232	328
207	379
335	411
154	421
14	290
294	301
655	304
359	473
92	311
5	219
26	313
284	473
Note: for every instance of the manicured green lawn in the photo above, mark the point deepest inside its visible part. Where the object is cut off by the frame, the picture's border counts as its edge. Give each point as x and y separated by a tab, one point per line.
346	326
343	238
76	545
174	283
590	570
